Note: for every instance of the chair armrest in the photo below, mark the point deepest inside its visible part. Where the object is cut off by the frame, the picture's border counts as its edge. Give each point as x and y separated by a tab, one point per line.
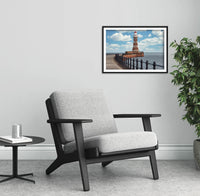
145	119
58	121
78	133
135	115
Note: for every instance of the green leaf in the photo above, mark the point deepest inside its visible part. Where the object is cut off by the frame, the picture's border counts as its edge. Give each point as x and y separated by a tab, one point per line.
198	39
186	75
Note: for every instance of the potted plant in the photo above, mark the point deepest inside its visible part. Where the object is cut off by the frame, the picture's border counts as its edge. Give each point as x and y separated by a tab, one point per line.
187	76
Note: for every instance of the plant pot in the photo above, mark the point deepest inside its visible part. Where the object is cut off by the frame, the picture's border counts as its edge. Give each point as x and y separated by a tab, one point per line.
196	151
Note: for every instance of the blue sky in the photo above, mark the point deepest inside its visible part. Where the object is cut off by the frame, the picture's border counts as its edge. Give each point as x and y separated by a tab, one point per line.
118	41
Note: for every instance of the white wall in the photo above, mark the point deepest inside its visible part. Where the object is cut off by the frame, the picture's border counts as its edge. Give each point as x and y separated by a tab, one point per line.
48	45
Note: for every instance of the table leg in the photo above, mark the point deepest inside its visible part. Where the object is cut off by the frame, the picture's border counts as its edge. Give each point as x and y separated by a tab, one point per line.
5	175
15	169
15	160
6	179
29	174
21	178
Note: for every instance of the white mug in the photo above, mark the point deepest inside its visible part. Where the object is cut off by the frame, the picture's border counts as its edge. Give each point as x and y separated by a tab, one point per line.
16	131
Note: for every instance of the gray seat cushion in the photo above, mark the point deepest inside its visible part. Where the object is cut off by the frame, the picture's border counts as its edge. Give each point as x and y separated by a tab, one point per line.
88	104
117	142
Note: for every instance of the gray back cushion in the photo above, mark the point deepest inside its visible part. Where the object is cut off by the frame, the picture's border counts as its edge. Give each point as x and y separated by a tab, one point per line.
83	105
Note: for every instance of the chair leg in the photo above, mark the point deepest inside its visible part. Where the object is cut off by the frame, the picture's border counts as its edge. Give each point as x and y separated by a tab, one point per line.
153	162
57	163
104	164
81	156
84	175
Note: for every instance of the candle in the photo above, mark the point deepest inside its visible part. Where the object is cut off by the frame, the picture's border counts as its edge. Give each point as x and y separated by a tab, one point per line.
16	131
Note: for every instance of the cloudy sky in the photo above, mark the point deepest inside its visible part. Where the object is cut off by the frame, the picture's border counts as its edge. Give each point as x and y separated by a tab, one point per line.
121	41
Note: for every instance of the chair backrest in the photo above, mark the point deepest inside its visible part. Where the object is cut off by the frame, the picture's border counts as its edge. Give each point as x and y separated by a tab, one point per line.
82	105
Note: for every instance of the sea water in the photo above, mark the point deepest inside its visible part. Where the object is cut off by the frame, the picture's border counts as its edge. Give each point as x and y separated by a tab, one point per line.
151	57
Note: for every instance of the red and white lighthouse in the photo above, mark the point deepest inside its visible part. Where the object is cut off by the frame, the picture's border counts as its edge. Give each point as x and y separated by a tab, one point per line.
135	51
135	44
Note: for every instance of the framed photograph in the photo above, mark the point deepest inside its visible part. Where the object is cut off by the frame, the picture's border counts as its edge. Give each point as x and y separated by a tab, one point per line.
134	49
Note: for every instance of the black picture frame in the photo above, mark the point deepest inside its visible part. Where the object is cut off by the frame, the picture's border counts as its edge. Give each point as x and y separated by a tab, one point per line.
152	39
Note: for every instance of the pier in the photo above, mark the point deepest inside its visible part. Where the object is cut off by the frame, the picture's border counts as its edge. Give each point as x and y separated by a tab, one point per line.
135	63
113	63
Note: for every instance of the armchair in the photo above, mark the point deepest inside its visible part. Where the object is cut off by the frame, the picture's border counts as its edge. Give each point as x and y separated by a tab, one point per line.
84	130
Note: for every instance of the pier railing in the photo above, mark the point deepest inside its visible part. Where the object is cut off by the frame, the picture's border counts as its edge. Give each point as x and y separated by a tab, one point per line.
134	63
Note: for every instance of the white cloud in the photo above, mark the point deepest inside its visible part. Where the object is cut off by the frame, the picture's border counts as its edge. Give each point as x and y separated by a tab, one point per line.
149	35
120	37
140	36
152	41
148	43
157	33
116	48
124	31
114	45
127	47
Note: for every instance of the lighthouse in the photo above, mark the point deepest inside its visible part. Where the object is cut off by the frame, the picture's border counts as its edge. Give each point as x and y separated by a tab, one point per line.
135	44
135	50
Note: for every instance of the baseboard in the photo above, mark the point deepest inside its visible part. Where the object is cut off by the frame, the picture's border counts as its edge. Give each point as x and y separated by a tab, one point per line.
175	152
34	152
47	152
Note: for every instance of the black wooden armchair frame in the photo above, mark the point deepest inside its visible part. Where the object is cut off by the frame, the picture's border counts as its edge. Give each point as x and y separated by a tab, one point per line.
90	156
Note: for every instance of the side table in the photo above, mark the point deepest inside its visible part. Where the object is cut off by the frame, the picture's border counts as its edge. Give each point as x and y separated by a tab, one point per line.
35	140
